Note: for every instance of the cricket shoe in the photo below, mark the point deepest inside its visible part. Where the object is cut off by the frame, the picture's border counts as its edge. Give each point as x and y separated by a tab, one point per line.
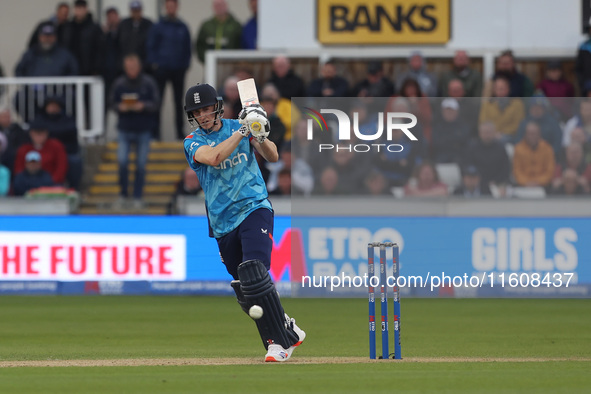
276	353
300	333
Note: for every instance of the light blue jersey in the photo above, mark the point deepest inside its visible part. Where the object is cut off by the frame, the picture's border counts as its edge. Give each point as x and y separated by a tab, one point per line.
233	189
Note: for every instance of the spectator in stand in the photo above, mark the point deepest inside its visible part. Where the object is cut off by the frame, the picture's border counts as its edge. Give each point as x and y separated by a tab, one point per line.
419	104
425	182
489	156
85	40
539	110
582	120
47	59
222	31
4	171
285	80
519	84
283	108
136	98
505	112
188	185
283	183
14	135
472	186
533	160
397	167
375	184
63	128
328	182
570	184
32	176
169	56
583	61
402	105
272	170
375	83
351	169
471	79
450	134
557	89
329	84
133	32
59	20
232	104
53	154
573	160
112	66
418	72
307	160
469	106
269	104
249	30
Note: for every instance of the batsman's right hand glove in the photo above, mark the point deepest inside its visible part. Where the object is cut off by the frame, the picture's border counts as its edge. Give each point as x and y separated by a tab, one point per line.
255	118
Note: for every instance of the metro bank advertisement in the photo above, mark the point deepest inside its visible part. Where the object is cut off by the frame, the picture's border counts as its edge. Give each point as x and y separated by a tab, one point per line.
479	257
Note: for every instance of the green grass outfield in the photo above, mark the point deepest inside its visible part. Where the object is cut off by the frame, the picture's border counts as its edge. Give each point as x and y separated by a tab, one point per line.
124	344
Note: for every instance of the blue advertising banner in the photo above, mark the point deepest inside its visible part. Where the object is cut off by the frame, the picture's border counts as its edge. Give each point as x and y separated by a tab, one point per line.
452	256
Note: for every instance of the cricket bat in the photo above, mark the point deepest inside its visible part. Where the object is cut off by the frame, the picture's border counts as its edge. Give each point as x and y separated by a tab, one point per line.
247	89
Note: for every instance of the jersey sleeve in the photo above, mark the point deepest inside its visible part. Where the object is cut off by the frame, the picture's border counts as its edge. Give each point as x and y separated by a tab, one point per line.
191	144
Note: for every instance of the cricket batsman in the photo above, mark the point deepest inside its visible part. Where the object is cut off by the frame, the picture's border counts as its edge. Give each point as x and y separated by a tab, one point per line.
240	216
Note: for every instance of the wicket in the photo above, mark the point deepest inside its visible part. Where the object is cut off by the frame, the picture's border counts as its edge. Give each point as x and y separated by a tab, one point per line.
384	299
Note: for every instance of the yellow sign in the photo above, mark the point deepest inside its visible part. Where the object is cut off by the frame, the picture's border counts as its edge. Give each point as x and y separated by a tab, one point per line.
383	21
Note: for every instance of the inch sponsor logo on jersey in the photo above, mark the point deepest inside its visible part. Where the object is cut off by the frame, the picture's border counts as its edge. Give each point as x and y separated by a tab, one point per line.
232	161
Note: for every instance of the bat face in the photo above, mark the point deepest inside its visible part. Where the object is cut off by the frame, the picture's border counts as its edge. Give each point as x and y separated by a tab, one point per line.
248	92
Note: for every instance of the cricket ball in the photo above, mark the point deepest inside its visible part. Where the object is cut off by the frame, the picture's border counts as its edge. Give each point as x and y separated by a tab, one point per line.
256	312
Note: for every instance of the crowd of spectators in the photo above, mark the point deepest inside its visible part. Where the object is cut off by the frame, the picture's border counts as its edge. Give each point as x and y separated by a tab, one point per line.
505	132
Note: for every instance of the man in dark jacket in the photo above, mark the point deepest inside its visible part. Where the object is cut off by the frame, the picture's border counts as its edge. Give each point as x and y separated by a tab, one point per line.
135	97
583	63
489	156
169	57
286	81
15	137
520	84
84	38
330	84
63	128
450	133
133	32
47	59
32	177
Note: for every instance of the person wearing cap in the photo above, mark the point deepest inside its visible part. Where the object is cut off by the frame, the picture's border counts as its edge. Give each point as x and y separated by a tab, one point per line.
472	186
222	31
133	32
461	70
53	154
32	176
375	84
136	99
558	90
60	20
583	60
450	133
418	71
47	59
169	57
85	39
